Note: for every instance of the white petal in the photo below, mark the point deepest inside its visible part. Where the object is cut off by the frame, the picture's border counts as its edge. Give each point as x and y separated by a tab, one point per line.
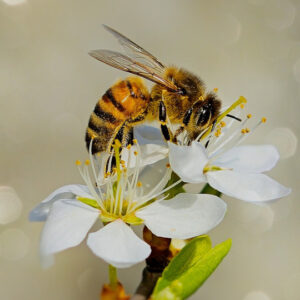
66	226
155	176
148	135
40	212
188	161
118	245
248	187
148	154
252	159
185	216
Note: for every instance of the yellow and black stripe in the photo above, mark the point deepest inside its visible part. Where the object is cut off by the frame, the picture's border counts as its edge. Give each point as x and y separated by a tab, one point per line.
123	102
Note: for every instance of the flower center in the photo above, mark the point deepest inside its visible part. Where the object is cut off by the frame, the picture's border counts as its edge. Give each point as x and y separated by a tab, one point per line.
118	194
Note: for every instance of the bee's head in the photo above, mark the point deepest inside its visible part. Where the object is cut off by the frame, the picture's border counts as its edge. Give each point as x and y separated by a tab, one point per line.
206	111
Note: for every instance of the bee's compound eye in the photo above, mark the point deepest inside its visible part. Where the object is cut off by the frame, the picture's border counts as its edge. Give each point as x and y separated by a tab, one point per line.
182	91
204	115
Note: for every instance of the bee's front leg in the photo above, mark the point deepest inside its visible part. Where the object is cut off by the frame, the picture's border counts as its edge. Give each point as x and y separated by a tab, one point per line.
167	134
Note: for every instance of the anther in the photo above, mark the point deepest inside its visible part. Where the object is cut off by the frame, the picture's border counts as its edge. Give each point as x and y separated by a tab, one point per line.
264	120
78	162
139	184
118	143
216	90
168	165
249	116
135	141
223	124
247	130
135	153
128	146
242	105
87	162
243	131
122	162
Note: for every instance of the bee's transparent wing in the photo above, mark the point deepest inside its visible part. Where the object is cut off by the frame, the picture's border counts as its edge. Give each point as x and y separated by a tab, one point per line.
136	52
128	64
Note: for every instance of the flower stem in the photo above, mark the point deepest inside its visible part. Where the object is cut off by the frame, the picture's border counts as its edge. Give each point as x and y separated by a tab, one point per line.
210	190
113	277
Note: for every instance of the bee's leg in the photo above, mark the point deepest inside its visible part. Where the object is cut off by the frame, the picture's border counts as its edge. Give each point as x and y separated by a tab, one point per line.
111	162
185	122
163	122
212	129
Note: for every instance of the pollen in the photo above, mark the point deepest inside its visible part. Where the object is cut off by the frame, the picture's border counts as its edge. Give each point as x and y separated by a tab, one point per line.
128	146
201	98
218	133
216	90
114	170
242	105
107	174
247	130
135	141
249	116
78	162
163	123
87	162
223	124
243	131
168	165
122	162
135	153
139	184
264	120
118	143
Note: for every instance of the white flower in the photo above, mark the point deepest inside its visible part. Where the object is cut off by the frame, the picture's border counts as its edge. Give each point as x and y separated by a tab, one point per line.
126	198
217	158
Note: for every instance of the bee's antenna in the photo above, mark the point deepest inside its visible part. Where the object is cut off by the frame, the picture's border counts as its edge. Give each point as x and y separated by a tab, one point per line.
234	117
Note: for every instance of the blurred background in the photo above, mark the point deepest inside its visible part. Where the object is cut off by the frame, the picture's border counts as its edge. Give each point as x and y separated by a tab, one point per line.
49	86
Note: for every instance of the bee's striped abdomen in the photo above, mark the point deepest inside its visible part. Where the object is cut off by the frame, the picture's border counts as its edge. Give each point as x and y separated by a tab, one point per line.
124	101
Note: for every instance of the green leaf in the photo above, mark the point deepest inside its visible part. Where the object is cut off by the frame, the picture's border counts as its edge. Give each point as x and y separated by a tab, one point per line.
189	269
177	189
210	190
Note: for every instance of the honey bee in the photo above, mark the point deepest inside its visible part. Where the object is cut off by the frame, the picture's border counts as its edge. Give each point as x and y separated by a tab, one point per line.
178	97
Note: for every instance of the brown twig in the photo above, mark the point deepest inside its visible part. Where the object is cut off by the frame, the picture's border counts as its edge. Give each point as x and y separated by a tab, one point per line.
146	286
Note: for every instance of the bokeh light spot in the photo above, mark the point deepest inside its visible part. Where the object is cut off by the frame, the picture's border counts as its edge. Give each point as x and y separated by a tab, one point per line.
284	140
10	205
14	2
296	70
257	295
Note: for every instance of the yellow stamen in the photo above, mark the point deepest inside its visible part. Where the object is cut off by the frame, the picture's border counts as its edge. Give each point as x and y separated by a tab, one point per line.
135	153
249	116
216	90
168	165
242	105
78	162
139	184
247	130
243	131
223	115
122	162
87	162
135	141
264	120
223	124
129	146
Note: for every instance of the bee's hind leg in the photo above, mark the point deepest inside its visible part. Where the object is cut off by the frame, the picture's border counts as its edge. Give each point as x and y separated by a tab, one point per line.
166	132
